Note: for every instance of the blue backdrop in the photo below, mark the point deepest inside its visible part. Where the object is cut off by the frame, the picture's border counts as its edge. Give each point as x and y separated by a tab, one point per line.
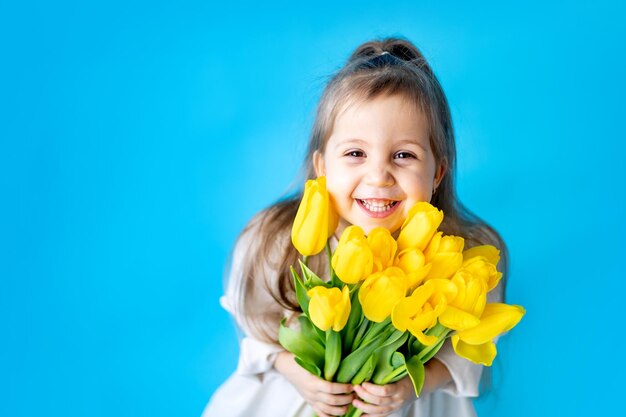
137	138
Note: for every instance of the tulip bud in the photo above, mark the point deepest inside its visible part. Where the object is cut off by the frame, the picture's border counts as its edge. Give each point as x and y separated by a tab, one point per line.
444	253
413	263
381	291
481	262
383	247
315	220
352	260
420	226
329	307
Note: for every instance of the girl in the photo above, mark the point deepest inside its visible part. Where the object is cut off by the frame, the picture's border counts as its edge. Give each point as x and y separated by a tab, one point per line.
383	138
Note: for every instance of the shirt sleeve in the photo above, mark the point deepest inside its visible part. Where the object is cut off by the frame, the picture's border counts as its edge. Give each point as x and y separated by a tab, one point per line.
255	356
465	374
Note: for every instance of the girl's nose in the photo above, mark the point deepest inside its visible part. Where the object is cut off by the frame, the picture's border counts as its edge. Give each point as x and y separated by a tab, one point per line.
380	175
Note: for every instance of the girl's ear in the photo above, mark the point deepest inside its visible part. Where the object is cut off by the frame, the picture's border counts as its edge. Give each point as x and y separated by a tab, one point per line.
318	163
439	173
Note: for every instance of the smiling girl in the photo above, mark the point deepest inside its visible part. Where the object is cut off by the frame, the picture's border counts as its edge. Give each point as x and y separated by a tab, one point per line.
383	138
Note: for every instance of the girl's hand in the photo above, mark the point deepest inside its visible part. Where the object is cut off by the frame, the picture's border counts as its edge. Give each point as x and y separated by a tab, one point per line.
326	398
382	400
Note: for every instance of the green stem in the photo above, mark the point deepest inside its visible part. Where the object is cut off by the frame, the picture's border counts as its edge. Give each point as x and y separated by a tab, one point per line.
330	256
399	370
362	329
353	412
375	330
439	331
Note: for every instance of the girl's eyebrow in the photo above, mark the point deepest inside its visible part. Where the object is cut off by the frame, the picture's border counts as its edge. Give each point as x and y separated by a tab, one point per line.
358	141
412	142
351	140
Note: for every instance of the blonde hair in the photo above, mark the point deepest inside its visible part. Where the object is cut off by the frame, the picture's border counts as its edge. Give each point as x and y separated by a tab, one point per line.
380	67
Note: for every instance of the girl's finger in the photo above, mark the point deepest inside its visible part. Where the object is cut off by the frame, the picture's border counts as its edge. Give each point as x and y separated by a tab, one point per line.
330	399
372	409
320	413
335	388
379	390
331	410
372	398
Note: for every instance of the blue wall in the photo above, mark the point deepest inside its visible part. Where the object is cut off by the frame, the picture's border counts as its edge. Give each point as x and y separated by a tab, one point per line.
137	138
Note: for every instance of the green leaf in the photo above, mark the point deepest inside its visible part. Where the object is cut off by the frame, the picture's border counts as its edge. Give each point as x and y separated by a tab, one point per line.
427	354
310	331
354	361
354	320
301	292
311	367
375	330
384	354
415	367
363	327
332	356
397	359
424	353
310	278
399	371
398	375
305	348
366	371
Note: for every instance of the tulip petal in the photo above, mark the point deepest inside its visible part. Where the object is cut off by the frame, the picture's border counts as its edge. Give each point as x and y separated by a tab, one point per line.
482	354
456	319
491	253
444	291
383	247
402	313
420	225
343	310
352	260
424	339
444	265
496	319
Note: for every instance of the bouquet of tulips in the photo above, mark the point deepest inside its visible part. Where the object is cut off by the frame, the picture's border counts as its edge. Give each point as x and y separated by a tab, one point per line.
390	304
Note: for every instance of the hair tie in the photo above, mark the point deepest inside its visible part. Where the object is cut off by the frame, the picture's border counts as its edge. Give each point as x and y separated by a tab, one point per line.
384	59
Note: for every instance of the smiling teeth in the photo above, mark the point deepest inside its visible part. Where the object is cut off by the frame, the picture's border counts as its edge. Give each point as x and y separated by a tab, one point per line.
378	206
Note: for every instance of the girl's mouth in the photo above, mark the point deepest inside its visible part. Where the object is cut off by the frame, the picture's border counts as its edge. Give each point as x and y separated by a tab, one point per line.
378	208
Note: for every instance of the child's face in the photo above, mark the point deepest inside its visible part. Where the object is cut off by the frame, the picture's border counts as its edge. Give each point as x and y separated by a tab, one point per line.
378	163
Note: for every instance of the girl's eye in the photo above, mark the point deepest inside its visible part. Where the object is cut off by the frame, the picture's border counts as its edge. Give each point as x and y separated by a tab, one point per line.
355	153
404	155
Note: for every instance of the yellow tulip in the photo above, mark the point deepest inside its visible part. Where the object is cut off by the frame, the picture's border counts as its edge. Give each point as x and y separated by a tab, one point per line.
314	220
419	312
383	247
496	319
353	259
329	307
420	226
381	291
481	262
476	343
491	253
445	254
465	309
481	354
413	263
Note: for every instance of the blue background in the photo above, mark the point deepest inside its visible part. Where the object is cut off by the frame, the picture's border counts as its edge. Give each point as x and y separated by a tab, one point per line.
137	138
